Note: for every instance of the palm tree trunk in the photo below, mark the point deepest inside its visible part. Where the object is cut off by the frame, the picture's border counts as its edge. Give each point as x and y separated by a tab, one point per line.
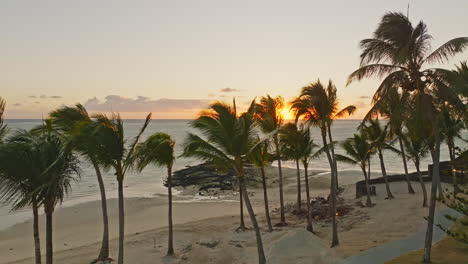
451	148
298	169
384	174
310	228
37	240
280	182
402	149
104	252
366	180
170	246
49	244
265	198
332	203
432	202
332	149
241	208
121	220
423	186
253	219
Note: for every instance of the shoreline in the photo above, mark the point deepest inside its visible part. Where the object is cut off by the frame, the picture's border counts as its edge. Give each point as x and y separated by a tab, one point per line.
77	229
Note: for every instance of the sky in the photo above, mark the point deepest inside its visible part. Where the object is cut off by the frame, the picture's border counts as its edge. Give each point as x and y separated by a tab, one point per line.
174	57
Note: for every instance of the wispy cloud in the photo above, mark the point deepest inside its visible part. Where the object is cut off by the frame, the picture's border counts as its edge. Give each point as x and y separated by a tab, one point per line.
56	97
360	104
364	97
144	104
229	90
17	104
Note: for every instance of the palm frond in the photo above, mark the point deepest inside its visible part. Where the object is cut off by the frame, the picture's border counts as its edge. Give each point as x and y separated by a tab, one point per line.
447	50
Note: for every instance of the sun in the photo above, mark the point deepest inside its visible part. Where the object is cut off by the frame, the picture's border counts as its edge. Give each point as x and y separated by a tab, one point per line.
286	113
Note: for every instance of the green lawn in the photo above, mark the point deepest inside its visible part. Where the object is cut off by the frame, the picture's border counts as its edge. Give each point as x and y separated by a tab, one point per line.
446	251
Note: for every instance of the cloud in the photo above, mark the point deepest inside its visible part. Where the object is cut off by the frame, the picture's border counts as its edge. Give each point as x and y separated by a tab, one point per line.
364	97
56	97
229	90
17	104
360	104
144	104
32	96
43	96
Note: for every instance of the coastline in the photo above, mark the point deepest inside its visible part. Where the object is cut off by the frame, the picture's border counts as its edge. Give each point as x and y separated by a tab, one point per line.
77	229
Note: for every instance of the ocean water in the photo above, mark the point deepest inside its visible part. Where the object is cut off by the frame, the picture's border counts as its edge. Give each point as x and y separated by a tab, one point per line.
150	181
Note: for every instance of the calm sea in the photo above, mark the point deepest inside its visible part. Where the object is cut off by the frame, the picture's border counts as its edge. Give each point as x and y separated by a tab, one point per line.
149	182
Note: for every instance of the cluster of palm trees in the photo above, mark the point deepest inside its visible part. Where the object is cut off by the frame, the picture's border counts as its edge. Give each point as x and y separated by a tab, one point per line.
422	108
38	166
429	100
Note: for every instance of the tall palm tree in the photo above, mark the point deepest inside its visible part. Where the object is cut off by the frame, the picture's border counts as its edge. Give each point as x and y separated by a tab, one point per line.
226	140
19	178
377	135
270	120
158	149
416	147
358	150
394	108
307	150
290	141
77	126
116	154
59	167
399	52
260	158
318	106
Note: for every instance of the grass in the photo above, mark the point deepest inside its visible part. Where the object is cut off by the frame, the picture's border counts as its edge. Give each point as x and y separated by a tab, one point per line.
446	251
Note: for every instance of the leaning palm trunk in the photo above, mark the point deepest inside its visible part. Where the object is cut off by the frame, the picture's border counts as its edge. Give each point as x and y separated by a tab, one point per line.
432	202
121	220
253	219
332	149
366	180
104	252
310	228
241	209
335	240
423	186
384	173
298	186
451	148
170	247
280	182
49	210
405	166
37	240
265	198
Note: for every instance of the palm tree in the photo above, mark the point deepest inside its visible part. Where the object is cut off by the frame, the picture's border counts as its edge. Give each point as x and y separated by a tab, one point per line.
54	166
77	126
290	141
318	106
451	129
19	178
377	135
307	147
399	52
226	142
158	149
59	167
260	158
462	86
116	154
394	108
416	147
270	120
359	150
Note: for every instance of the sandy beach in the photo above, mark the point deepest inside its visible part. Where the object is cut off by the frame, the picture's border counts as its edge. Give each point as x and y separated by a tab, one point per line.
205	229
